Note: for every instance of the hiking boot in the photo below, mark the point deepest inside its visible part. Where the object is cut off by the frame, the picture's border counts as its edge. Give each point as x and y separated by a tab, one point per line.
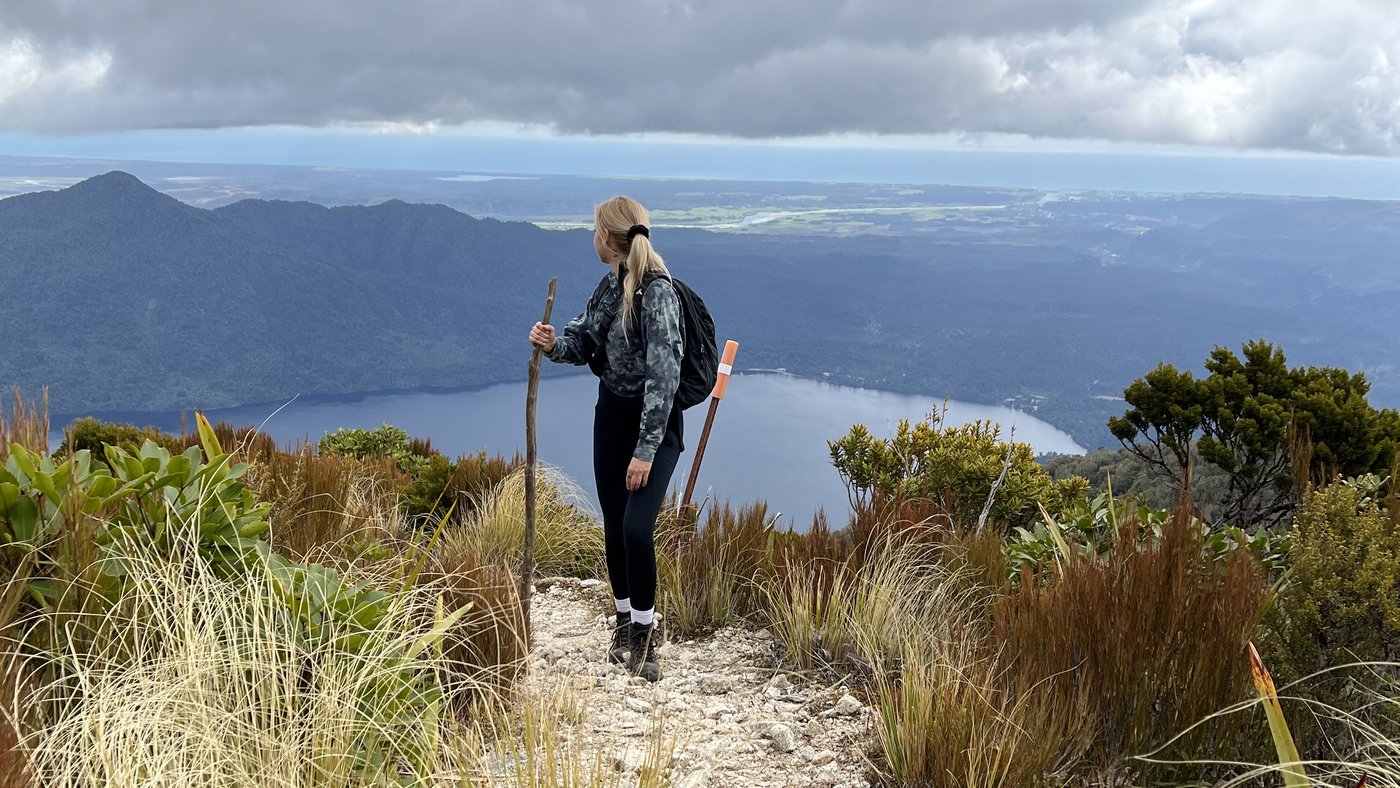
617	652
641	658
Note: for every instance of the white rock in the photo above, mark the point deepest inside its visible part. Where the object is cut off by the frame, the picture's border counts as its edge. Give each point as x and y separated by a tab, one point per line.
715	685
807	754
823	757
591	582
698	779
813	729
775	693
638	705
847	706
629	762
784	739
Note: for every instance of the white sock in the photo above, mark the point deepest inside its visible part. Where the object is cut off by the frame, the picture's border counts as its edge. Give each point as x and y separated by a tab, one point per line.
623	605
643	616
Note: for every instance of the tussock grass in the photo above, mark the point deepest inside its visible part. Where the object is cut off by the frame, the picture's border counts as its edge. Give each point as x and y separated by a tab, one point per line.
1152	638
197	679
327	505
568	538
490	641
709	576
28	424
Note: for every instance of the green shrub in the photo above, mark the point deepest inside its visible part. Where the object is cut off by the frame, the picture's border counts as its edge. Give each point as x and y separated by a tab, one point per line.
386	442
954	468
64	524
92	435
1093	528
467	482
1269	427
1342	603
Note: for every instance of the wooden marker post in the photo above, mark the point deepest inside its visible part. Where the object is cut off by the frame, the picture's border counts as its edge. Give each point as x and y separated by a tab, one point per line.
527	562
726	366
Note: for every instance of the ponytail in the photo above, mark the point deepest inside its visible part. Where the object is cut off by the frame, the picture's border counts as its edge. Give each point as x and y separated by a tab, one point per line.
626	223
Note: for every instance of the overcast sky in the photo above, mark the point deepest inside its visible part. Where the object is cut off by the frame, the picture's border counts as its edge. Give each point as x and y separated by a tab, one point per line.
1297	75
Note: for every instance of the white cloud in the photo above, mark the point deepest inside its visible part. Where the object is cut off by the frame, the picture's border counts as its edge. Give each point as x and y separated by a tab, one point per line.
1257	74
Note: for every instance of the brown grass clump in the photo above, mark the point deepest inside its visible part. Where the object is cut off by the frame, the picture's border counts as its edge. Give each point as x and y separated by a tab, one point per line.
15	716
325	502
710	578
490	643
28	425
1151	639
244	444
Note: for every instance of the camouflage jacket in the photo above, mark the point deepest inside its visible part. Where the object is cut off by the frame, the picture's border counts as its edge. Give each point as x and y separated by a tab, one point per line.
646	366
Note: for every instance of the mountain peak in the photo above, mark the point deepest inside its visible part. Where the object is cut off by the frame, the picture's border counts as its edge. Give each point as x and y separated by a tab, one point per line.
115	182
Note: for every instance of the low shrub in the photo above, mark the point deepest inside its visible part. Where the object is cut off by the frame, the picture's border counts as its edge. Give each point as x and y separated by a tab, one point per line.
462	485
386	442
954	468
92	435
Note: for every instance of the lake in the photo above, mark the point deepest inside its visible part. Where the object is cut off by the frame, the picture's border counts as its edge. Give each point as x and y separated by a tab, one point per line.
768	441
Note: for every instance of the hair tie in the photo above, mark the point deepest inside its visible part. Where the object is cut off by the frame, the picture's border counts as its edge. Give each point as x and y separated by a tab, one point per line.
638	229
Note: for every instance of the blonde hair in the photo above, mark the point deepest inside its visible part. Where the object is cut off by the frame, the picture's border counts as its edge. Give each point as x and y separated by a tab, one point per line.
616	217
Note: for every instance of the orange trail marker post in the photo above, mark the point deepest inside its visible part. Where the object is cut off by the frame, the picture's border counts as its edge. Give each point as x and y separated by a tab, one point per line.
527	562
726	366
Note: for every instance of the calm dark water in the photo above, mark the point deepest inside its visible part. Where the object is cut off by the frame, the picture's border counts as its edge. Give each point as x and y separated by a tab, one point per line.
768	441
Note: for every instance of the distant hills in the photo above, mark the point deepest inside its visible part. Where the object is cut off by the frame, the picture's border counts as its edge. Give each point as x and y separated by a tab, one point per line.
121	298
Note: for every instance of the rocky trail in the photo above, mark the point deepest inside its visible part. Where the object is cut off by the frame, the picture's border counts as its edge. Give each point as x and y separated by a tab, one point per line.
726	715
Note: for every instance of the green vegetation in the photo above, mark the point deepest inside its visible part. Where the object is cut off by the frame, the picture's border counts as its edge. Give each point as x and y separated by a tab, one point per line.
385	443
351	617
145	609
963	469
1269	427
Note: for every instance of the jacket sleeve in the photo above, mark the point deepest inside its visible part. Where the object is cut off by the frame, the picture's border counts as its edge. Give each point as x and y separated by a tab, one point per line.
575	343
661	326
569	344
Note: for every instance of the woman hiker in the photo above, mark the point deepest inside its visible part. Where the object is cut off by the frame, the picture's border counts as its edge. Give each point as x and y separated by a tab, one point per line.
636	427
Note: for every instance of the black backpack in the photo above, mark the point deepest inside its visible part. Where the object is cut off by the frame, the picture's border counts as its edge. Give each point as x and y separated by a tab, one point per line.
700	361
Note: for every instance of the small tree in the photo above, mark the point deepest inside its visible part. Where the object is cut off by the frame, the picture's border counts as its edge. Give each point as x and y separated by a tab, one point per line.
1261	422
955	468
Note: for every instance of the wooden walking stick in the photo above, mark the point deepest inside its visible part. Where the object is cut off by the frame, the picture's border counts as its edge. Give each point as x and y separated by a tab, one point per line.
726	366
527	562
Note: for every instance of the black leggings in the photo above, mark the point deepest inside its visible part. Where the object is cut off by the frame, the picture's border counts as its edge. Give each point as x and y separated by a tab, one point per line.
629	518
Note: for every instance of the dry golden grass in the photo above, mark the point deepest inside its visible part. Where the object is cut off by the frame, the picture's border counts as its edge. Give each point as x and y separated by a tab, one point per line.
568	539
204	680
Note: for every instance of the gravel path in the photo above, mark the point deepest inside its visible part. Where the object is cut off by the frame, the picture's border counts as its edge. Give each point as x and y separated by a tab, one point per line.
730	716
